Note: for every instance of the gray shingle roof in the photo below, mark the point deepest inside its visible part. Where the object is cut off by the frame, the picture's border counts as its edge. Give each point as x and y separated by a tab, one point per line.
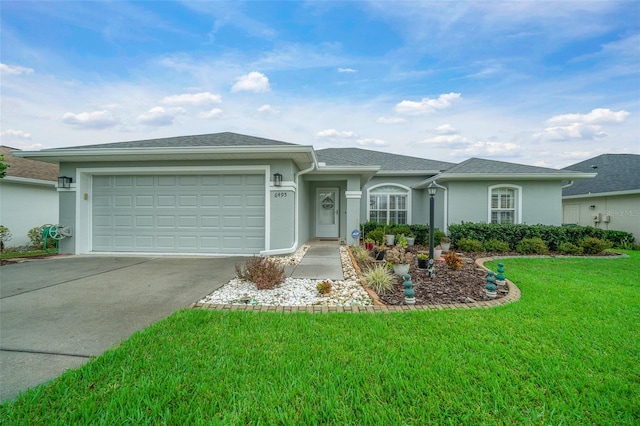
30	169
616	172
481	165
212	139
365	157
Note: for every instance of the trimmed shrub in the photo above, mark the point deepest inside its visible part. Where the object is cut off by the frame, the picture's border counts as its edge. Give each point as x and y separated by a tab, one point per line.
453	261
377	235
592	245
496	245
533	245
468	244
570	248
379	279
262	271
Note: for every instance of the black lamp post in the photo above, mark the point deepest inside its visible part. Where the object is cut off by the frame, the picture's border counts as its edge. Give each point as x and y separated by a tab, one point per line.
431	189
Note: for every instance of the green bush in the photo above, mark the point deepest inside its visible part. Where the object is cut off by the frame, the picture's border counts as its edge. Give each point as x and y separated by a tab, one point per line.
533	245
377	235
262	271
468	244
553	236
35	236
592	245
379	279
496	245
570	248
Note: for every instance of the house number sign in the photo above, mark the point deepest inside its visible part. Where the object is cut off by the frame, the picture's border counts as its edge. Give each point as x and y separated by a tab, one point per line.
279	195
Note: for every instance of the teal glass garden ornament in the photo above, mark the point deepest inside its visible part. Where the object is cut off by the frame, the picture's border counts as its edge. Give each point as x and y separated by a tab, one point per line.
409	293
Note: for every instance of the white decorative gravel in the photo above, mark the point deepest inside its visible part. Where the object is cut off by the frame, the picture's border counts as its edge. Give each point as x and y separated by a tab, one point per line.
295	292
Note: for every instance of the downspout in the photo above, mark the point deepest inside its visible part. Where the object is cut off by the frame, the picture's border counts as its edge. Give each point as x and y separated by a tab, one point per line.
567	185
446	206
294	247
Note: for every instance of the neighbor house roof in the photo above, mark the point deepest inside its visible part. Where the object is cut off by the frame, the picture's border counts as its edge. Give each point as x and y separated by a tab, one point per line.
392	163
616	173
21	168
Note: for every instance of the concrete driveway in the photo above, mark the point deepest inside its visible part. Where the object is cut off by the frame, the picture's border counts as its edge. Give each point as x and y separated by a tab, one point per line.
56	313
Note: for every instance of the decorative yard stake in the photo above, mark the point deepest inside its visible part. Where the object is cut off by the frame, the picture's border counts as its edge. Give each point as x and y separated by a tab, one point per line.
432	271
409	294
490	287
500	278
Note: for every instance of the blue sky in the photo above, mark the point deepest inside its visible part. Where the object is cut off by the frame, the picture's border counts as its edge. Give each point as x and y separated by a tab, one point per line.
540	83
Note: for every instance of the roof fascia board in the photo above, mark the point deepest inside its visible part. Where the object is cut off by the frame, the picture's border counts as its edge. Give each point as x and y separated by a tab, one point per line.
346	169
521	176
29	181
408	172
602	194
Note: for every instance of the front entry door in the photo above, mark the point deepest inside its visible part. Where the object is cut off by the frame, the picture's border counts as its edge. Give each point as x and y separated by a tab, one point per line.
327	212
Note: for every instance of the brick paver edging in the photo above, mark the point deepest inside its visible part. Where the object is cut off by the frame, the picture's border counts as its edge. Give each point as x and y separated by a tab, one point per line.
512	296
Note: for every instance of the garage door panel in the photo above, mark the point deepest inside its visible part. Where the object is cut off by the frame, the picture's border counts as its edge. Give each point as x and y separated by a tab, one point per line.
182	214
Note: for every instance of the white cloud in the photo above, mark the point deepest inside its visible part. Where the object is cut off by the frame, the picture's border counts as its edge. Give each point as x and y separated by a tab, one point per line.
427	105
216	112
450	141
446	129
157	116
333	133
371	142
596	116
571	131
14	69
14	135
252	82
347	70
193	99
90	120
268	109
391	120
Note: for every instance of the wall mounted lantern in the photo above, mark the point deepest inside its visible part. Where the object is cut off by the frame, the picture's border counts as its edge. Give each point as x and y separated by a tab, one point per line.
277	179
64	182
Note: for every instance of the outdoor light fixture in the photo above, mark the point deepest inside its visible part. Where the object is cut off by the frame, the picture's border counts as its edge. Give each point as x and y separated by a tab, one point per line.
277	179
64	182
431	189
592	206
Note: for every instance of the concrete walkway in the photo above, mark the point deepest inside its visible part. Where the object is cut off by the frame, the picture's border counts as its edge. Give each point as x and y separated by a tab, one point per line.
322	262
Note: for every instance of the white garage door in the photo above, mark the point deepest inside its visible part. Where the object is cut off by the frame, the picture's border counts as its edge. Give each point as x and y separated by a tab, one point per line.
179	214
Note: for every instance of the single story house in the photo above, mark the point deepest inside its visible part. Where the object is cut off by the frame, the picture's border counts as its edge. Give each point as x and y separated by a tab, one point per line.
28	195
228	193
611	200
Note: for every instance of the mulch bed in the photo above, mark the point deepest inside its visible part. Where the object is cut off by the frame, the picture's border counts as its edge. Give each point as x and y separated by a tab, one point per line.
448	286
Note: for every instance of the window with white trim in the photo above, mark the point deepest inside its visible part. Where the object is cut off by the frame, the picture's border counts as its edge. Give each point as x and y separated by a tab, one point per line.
504	204
389	204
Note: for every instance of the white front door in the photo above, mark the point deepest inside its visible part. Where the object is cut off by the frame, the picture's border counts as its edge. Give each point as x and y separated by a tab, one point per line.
327	209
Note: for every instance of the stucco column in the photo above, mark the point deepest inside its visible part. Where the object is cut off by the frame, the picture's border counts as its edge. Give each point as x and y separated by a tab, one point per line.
353	215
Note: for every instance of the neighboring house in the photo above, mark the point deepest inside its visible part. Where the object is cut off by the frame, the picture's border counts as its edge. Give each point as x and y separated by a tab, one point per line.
28	195
227	193
611	200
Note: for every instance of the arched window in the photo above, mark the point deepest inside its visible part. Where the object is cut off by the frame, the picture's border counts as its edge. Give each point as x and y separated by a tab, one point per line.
389	204
505	204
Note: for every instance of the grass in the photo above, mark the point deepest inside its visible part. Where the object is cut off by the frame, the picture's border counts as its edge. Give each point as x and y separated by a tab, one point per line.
567	353
9	253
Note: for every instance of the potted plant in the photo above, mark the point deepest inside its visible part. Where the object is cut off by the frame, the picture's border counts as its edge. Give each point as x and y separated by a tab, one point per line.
369	244
423	260
411	239
400	260
445	243
437	252
379	252
390	239
401	241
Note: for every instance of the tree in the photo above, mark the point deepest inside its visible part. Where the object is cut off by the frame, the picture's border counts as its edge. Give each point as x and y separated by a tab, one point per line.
3	167
5	235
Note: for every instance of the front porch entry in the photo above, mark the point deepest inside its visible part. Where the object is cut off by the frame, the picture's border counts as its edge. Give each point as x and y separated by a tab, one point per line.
327	212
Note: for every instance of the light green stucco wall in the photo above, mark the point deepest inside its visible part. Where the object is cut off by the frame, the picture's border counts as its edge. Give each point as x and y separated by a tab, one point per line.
541	201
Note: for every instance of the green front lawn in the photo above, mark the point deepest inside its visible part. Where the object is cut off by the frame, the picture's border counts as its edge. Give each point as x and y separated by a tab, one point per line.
567	353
